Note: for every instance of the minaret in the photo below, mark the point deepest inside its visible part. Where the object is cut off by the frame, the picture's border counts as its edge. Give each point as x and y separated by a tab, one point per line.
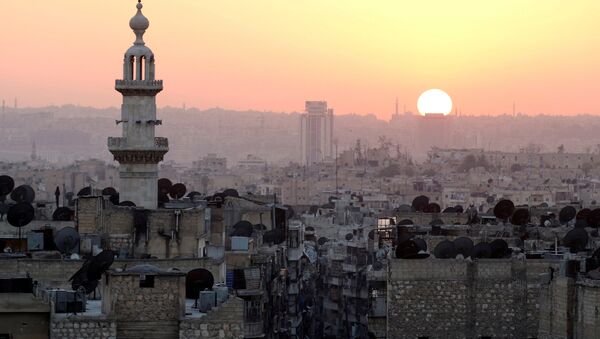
138	151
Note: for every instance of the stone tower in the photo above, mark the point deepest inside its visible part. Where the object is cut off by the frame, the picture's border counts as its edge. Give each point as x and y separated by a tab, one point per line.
138	151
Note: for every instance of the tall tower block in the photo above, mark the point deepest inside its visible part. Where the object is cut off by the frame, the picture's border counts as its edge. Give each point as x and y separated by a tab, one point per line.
138	151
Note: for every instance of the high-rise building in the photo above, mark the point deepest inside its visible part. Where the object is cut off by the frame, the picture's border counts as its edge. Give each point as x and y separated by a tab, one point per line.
316	132
138	151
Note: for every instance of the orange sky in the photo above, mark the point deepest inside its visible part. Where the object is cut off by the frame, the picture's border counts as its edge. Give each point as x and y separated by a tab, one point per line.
272	55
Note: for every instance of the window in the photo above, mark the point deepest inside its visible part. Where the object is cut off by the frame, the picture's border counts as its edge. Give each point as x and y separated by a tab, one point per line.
146	281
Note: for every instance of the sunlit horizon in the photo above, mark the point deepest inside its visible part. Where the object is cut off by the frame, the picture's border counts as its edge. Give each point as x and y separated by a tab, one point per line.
540	56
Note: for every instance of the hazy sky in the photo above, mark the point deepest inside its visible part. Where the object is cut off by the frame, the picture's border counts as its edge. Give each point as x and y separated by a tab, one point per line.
272	55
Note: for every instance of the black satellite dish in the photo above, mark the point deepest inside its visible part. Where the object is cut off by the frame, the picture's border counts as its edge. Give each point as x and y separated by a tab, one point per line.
63	214
581	217
499	249
405	222
432	207
20	214
66	240
7	184
576	239
520	217
490	199
408	249
198	280
421	244
164	185
567	214
86	191
504	209
260	227
459	209
404	208
593	219
194	195
483	250
23	193
463	245
444	250
91	271
177	191
322	240
449	210
113	195
275	236
420	203
349	236
230	192
127	203
242	229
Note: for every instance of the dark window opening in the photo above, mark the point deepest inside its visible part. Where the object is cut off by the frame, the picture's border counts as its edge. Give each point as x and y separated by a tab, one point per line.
147	281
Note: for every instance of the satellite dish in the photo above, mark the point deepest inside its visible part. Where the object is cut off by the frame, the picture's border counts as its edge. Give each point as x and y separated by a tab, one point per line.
275	236
593	219
483	250
463	246
567	214
520	217
177	191
504	209
112	194
230	192
127	203
20	214
349	236
322	240
449	210
86	191
576	239
499	249
242	229
7	184
23	193
404	208
420	203
408	249
581	217
164	186
459	209
405	222
194	195
260	227
432	207
198	280
445	250
91	271
66	240
490	199
63	214
421	244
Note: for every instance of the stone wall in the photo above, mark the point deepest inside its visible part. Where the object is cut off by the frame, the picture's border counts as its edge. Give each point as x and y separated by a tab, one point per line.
83	327
55	273
225	321
465	299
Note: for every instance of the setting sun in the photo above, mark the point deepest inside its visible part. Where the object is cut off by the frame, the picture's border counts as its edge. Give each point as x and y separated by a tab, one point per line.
434	101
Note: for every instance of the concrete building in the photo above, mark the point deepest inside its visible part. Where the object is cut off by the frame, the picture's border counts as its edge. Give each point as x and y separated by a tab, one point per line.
139	151
316	132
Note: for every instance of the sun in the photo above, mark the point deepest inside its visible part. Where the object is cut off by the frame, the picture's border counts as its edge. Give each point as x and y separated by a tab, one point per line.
434	101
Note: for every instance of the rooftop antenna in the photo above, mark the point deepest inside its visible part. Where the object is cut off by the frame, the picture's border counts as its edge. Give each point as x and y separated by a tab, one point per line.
396	105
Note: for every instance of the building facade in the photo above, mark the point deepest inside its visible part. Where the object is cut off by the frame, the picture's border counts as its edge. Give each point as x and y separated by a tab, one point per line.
316	132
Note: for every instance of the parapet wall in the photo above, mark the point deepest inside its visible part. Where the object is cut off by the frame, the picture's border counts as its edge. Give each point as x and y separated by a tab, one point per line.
83	327
434	298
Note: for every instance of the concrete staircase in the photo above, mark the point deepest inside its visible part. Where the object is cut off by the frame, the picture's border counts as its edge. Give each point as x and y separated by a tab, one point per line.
148	330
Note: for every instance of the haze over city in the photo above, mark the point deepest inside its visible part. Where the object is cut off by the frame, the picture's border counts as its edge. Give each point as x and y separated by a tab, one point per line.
270	55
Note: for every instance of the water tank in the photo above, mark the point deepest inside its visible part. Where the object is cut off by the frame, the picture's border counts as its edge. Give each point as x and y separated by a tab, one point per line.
207	301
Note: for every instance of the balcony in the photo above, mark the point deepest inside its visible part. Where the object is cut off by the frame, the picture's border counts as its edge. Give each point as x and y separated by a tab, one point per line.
253	330
139	87
121	144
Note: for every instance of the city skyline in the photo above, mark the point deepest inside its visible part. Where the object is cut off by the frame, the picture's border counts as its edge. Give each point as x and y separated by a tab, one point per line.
362	56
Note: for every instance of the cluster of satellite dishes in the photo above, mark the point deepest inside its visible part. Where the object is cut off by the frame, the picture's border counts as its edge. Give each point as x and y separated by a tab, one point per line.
244	228
461	247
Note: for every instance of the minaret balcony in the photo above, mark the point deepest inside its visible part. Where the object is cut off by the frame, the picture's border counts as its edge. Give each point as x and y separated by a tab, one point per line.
139	87
124	152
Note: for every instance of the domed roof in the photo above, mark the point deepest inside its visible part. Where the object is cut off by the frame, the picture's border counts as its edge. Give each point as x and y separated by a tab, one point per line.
139	22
